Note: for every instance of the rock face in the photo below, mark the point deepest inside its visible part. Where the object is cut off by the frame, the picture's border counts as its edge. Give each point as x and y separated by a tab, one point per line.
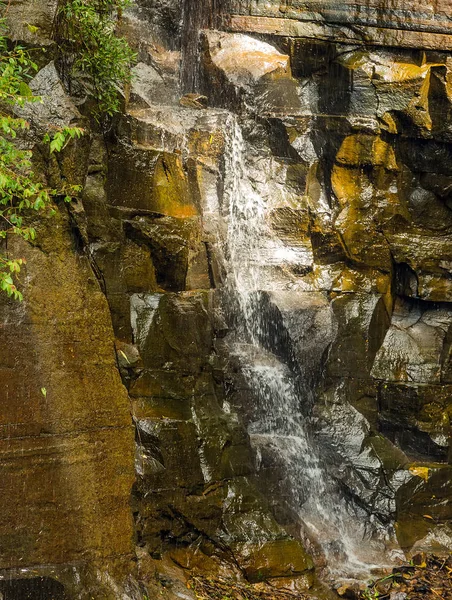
66	435
66	444
345	121
381	23
32	21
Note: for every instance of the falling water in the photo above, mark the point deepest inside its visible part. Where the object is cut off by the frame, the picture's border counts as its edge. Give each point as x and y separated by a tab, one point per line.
251	250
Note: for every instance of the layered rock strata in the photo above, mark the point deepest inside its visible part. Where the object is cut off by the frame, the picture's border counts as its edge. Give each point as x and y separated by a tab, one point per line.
345	116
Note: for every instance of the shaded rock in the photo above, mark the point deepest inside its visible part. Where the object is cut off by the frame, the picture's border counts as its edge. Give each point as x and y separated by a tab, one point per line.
56	108
31	22
194	101
126	268
417	417
224	444
162	345
172	242
65	434
150	86
428	211
167	451
424	510
362	325
351	590
280	558
429	259
128	355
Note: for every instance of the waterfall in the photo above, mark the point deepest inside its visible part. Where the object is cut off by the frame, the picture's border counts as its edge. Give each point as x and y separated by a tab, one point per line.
196	15
282	393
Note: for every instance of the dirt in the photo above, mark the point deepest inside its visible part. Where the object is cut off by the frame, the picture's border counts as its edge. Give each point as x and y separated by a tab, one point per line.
423	578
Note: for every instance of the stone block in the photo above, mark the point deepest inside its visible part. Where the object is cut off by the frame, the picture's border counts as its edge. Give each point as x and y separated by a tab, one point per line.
413	347
65	498
417	417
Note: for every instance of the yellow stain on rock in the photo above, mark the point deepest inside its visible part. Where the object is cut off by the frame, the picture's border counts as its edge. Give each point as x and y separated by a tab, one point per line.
423	472
366	150
171	189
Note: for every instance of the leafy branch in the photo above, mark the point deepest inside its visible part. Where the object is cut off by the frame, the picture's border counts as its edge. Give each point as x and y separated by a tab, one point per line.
96	57
20	191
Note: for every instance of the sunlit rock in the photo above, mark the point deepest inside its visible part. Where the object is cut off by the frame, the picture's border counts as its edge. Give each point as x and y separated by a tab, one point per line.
248	64
413	348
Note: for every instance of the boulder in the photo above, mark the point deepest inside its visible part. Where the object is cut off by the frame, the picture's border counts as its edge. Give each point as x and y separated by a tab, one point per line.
249	67
31	22
417	417
413	348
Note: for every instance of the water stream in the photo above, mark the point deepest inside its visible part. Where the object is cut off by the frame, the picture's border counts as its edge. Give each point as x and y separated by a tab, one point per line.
347	536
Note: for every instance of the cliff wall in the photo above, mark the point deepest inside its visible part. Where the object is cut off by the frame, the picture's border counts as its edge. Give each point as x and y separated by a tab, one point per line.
345	113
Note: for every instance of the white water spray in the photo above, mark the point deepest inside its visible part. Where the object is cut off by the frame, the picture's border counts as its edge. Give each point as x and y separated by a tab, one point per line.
251	251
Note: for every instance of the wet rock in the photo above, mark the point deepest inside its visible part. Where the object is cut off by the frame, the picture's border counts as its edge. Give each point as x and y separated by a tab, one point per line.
168	450
126	268
301	325
171	241
348	149
245	63
123	269
194	101
428	257
365	172
366	463
413	346
428	211
245	60
163	346
362	325
65	429
417	417
260	545
150	24
280	558
224	443
351	590
424	510
150	181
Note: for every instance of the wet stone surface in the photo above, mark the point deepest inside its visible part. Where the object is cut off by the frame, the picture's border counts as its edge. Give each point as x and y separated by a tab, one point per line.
267	264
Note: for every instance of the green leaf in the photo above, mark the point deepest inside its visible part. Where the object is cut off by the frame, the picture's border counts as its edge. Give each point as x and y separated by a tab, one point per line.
32	28
24	90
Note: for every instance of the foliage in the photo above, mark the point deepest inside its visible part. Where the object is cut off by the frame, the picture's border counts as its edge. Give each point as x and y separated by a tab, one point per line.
98	57
221	588
424	578
20	192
